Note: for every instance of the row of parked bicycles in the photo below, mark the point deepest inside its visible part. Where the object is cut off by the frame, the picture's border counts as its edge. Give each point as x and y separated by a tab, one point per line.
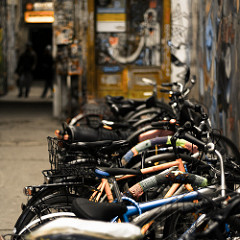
149	170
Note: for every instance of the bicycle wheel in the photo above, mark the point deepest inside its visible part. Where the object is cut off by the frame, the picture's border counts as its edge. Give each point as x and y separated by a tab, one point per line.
149	112
231	157
218	221
166	110
49	204
176	224
227	147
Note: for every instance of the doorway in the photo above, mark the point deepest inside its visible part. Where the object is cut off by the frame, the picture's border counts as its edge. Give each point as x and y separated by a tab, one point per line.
40	36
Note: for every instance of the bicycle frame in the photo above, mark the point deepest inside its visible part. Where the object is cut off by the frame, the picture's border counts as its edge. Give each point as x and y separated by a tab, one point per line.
105	186
147	206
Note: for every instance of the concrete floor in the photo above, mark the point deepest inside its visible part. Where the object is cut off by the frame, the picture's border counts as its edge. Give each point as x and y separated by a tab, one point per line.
25	124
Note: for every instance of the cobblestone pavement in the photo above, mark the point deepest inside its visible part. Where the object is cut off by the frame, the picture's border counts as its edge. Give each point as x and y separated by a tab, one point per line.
24	127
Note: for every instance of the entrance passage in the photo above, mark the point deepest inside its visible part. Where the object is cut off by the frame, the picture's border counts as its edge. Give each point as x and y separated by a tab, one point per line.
40	36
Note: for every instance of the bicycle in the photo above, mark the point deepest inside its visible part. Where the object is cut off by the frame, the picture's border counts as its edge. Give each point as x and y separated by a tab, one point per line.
71	175
29	212
100	213
77	183
48	199
36	221
74	227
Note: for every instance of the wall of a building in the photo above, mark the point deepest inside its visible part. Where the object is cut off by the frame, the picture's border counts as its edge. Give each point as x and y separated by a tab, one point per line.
209	31
3	48
180	37
11	36
216	60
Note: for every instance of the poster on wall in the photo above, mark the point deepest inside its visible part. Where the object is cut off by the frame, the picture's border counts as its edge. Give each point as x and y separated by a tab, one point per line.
111	16
74	67
63	24
136	40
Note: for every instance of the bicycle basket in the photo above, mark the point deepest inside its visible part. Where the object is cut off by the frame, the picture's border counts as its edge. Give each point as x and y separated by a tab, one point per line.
62	159
56	149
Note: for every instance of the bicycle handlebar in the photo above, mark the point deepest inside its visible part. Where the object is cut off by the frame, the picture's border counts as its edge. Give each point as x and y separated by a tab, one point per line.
165	91
201	145
142	146
167	84
139	188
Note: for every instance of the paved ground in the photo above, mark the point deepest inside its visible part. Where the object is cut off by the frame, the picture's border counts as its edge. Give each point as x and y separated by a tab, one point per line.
25	124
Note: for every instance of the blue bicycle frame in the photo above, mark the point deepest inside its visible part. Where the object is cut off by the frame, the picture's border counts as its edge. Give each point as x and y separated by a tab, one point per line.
140	208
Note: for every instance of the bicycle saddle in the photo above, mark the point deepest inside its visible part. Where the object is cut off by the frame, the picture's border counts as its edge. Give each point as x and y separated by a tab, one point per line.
85	209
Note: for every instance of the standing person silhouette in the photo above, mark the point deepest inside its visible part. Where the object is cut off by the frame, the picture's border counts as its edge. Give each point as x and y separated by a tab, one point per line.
47	70
26	64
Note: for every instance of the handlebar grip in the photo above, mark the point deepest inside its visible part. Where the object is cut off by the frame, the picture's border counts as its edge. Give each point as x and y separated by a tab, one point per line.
181	177
164	90
160	124
140	147
167	84
192	139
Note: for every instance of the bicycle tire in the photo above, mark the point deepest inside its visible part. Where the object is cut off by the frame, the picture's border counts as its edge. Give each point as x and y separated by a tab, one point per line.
148	112
65	189
164	107
176	224
228	146
57	202
218	224
159	217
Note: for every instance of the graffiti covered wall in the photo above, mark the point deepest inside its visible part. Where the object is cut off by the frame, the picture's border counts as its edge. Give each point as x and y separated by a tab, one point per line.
217	32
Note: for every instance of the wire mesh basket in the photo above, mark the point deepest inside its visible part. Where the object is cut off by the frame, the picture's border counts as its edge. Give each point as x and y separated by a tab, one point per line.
63	159
71	174
56	149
